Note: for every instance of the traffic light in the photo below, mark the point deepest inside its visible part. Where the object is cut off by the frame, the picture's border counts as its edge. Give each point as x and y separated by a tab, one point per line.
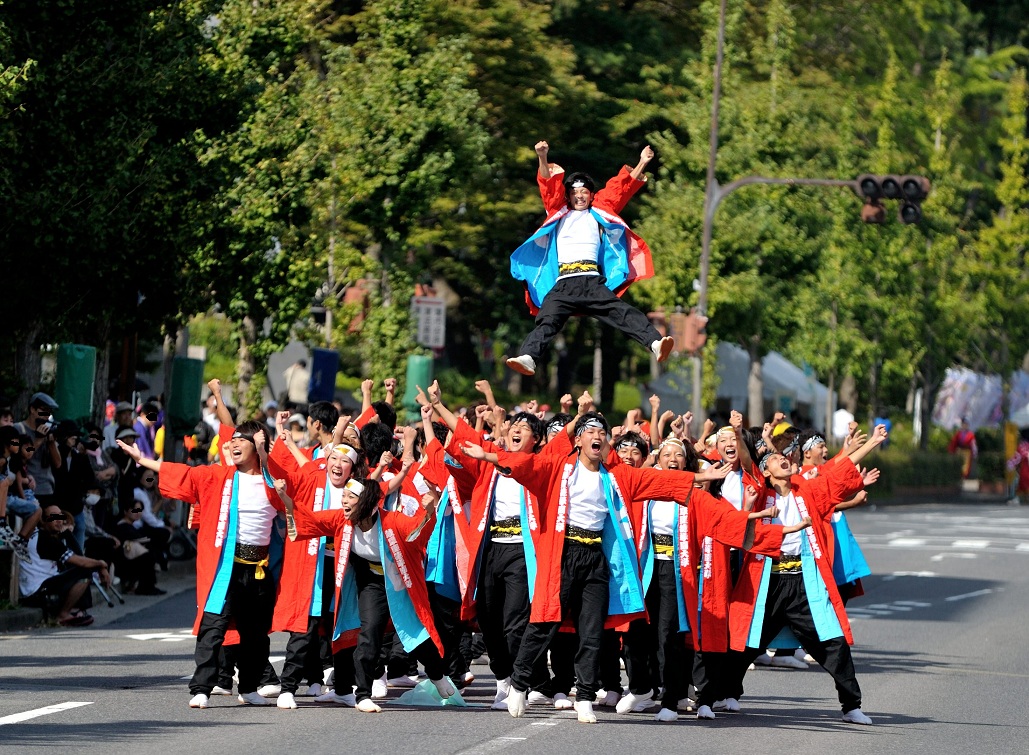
910	191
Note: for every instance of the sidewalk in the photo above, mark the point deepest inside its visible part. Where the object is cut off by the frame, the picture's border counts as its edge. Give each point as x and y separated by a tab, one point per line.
180	577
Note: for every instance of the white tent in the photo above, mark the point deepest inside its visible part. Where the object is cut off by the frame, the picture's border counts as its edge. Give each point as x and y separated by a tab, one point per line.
786	386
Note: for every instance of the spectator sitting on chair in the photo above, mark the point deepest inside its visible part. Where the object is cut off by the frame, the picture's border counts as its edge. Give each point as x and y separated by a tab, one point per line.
57	577
153	527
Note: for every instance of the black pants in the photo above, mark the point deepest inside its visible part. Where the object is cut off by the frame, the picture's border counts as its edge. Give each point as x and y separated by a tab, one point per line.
374	611
718	676
585	295
394	661
584	588
655	652
610	672
52	593
228	659
446	615
249	601
304	649
787	606
503	604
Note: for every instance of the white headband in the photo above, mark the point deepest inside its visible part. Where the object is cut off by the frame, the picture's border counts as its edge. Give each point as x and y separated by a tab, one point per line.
578	184
812	442
354	487
347	451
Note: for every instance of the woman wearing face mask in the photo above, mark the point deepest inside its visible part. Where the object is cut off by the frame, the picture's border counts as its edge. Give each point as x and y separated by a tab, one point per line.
380	577
104	470
147	494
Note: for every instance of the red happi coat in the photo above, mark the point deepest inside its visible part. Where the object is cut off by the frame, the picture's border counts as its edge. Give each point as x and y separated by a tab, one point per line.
476	486
547	476
209	489
835	483
704	550
409	558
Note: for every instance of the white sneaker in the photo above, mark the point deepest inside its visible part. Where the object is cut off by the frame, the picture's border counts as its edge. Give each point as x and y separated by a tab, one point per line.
445	687
198	701
628	703
221	691
503	690
367	706
729	705
314	690
562	702
705	713
666	716
328	677
646	705
269	690
331	697
537	698
788	661
468	677
253	698
379	689
607	699
663	348
524	365
857	717
765	659
516	702
805	656
687	705
286	701
584	712
404	682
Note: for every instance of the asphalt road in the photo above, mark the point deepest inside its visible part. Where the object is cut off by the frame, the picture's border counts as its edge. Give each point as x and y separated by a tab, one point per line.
941	656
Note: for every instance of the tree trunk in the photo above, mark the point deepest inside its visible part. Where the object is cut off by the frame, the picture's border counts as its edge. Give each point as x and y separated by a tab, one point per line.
27	367
829	410
755	386
103	374
848	394
245	365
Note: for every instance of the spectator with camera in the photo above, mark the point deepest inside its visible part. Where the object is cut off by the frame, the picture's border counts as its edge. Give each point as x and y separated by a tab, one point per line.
45	456
57	575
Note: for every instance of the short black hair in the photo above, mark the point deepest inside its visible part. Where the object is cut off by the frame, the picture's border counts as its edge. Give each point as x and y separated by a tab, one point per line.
536	427
326	414
376	439
250	428
633	438
586	179
8	434
387	414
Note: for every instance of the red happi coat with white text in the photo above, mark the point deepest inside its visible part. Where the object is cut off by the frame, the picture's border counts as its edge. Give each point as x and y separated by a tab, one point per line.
816	498
209	490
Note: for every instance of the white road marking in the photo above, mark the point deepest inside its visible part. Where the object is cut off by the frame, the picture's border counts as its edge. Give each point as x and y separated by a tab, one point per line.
965	596
941	556
182	634
971	544
912	603
1022	547
907	542
19	717
891	577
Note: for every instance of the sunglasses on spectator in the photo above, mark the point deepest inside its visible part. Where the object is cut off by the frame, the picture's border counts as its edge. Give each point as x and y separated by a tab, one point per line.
149	479
54	518
29	449
42	410
136	511
15	443
95	436
152	416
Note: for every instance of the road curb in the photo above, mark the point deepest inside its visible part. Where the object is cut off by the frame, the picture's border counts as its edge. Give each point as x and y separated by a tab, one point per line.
17	619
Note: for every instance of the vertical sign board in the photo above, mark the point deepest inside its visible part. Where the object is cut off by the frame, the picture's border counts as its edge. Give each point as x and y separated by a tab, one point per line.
324	365
76	370
431	313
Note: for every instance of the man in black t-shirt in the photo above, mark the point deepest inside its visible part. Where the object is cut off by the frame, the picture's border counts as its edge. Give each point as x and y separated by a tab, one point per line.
57	575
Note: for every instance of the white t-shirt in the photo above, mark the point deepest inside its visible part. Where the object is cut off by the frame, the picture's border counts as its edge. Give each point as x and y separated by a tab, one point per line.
37	570
255	513
587	505
366	544
662	517
332	498
732	489
789	513
508	505
578	239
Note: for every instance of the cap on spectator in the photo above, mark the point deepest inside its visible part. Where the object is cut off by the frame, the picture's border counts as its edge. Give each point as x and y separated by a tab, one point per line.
122	406
127	432
271	405
298	419
43	399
